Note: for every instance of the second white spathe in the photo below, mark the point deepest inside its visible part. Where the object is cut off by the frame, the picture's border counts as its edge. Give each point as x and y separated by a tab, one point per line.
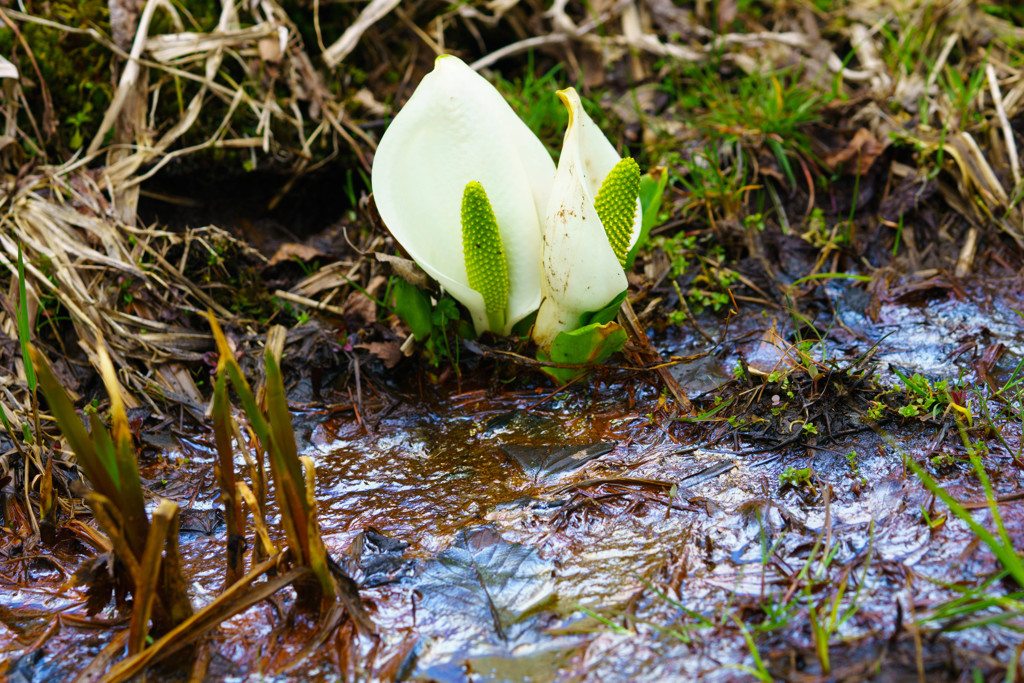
580	270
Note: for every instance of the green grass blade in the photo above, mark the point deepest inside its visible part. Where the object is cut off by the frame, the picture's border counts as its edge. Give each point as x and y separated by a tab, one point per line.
104	446
95	469
285	461
1005	553
224	469
24	336
761	672
262	428
131	500
780	156
979	469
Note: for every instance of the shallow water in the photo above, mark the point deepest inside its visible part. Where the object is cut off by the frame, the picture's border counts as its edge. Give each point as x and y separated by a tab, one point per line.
496	546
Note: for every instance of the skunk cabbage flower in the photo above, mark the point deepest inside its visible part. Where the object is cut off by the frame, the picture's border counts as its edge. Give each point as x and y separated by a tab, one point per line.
461	183
592	220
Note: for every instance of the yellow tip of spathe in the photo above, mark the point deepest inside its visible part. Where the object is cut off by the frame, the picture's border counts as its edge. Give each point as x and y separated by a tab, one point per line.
565	96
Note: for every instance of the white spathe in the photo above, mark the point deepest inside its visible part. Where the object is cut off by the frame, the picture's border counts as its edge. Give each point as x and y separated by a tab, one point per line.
454	129
580	272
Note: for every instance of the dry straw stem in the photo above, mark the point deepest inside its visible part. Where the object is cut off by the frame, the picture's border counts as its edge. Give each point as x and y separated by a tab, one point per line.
646	353
371	14
1004	121
977	180
979	194
239	597
164	529
75	248
619	27
130	75
259	523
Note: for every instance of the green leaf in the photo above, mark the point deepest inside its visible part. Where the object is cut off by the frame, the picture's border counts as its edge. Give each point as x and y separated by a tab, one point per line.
616	205
444	311
605	314
486	266
587	345
413	306
652	191
104	446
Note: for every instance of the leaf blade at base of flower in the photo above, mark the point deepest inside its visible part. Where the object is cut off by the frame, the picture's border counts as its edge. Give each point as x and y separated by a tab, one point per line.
591	344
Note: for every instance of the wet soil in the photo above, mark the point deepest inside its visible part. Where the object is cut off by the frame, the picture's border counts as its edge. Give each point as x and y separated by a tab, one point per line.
593	536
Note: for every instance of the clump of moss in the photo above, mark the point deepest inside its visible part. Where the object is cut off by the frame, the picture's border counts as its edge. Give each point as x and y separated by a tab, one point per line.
79	71
73	66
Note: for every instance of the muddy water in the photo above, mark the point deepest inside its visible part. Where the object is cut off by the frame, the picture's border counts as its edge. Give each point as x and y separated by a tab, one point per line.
590	537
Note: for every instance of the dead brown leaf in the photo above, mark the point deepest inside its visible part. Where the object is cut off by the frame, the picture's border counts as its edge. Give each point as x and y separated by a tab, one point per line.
405	269
290	251
360	306
863	149
390	352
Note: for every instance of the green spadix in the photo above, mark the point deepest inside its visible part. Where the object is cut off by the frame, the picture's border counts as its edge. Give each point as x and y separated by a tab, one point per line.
486	266
616	205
